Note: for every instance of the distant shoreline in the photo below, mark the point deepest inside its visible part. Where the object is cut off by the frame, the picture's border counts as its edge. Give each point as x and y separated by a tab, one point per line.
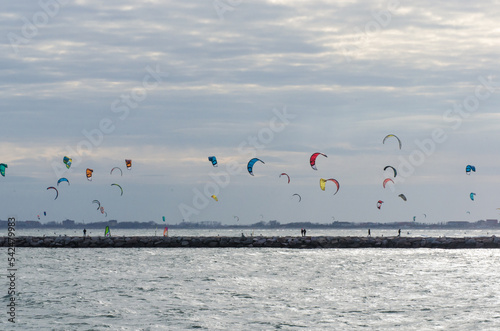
489	224
291	242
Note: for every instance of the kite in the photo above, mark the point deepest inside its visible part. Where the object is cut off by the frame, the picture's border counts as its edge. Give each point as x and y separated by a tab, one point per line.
391	135
111	172
394	169
128	163
284	174
414	217
89	173
53	188
103	212
387	180
379	204
472	195
251	163
3	166
213	159
300	198
163	218
98	203
322	183
312	160
470	168
67	161
119	187
215	197
63	179
402	196
44	213
237	218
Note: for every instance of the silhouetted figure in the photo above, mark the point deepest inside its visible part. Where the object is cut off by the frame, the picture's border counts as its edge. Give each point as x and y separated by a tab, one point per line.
304	232
84	232
399	233
369	232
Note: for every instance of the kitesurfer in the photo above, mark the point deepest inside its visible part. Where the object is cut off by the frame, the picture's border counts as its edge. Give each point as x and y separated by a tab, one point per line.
399	233
84	232
369	233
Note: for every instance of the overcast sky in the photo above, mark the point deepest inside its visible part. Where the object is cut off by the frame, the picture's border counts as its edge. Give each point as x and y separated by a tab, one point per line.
169	83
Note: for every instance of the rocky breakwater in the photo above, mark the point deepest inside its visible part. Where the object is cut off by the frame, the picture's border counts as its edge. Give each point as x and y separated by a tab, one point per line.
278	242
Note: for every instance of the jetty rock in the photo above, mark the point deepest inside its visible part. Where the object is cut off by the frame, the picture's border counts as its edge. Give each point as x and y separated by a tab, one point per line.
306	242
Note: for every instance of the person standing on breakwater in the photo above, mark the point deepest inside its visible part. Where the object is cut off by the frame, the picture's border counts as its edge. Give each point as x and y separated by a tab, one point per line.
369	233
399	233
304	232
84	232
301	232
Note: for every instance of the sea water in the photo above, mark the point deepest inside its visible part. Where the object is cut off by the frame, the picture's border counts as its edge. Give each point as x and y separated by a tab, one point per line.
258	232
254	289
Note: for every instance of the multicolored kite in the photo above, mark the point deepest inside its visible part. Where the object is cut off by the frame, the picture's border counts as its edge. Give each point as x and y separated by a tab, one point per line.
284	174
121	172
67	161
312	160
89	173
119	187
53	188
393	169
322	183
392	135
387	180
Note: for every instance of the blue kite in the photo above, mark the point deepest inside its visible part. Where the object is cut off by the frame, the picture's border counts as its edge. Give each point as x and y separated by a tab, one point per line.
251	163
470	168
213	159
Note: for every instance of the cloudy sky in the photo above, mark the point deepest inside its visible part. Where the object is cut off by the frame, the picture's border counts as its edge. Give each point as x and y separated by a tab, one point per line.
169	83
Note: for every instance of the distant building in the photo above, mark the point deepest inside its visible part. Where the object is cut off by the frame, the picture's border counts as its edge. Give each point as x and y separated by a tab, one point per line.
458	224
274	224
210	224
491	222
30	224
341	224
68	223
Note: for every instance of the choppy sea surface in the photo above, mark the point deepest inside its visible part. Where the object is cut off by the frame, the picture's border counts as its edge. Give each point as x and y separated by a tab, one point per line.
258	232
254	289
